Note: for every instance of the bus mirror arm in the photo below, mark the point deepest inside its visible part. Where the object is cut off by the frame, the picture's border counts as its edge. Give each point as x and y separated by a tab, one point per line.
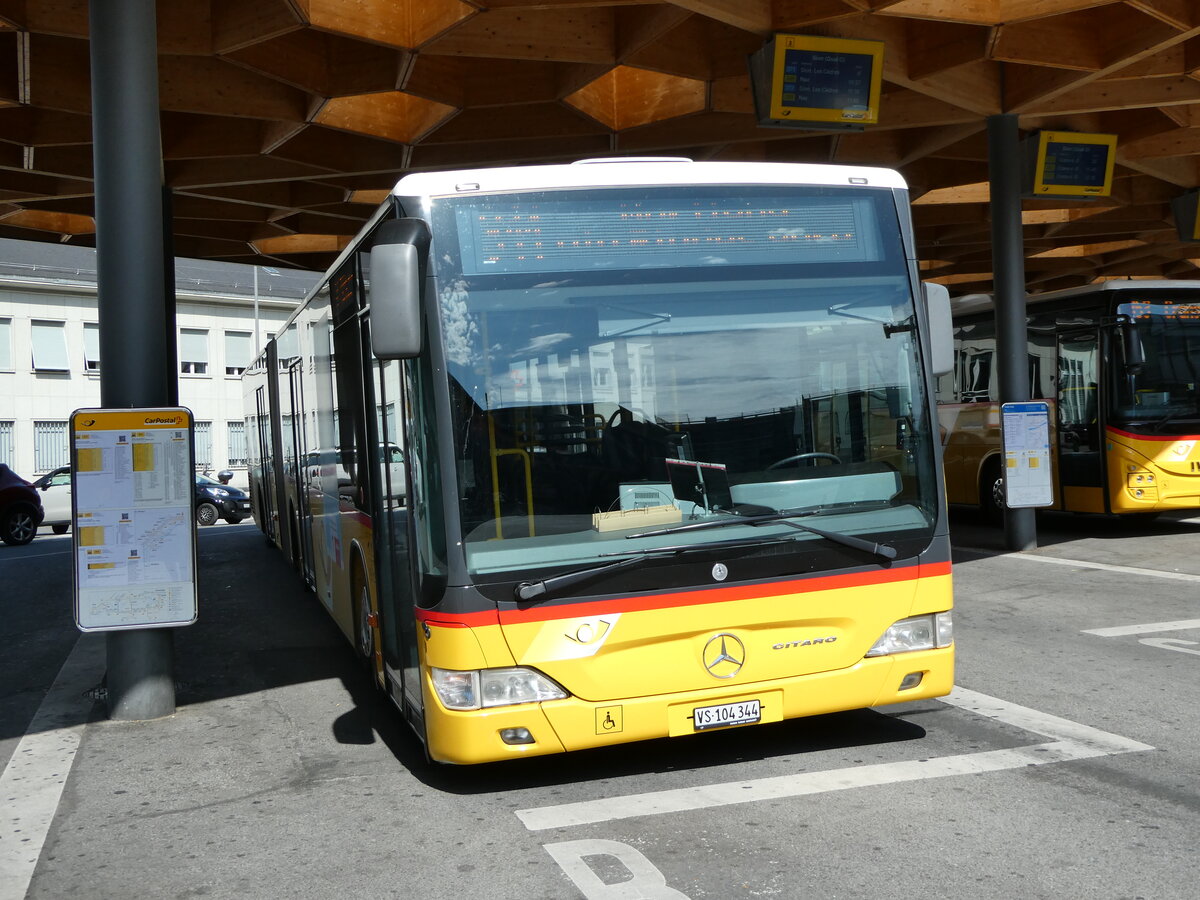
398	260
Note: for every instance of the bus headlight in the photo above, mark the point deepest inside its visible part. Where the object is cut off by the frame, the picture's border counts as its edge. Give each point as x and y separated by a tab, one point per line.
484	688
917	633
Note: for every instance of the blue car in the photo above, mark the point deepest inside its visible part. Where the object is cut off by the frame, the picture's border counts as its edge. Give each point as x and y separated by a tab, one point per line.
215	500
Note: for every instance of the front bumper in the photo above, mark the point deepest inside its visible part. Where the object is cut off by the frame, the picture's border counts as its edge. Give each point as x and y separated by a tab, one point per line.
573	724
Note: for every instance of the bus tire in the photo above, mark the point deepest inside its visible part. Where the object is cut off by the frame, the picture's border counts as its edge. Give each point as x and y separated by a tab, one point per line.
991	491
364	631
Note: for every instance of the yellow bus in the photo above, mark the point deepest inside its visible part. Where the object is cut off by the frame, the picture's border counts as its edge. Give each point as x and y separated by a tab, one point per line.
625	449
1119	363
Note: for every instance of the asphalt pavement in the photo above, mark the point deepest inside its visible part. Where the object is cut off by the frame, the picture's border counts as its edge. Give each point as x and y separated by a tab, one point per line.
1065	765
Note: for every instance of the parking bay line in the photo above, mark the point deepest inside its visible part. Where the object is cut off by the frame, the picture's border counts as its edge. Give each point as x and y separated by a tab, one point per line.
1087	564
1071	741
1148	628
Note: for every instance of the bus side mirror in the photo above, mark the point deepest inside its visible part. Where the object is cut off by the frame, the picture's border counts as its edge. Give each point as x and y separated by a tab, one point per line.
1131	343
941	328
398	259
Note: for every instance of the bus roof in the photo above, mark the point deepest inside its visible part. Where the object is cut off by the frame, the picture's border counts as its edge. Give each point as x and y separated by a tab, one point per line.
623	171
972	303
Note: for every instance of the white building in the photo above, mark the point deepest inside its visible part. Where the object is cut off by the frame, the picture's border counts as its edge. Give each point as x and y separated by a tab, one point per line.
49	349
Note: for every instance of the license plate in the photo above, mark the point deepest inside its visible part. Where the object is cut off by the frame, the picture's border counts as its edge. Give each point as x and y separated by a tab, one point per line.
741	713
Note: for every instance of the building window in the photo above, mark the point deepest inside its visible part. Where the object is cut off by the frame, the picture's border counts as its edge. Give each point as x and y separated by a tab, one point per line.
237	351
204	445
6	442
50	449
91	347
50	347
193	351
6	345
237	443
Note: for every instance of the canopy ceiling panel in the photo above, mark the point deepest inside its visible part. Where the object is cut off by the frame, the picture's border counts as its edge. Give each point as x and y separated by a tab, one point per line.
285	121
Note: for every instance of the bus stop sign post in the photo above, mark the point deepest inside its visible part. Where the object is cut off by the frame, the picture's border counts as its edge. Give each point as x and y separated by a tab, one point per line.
131	279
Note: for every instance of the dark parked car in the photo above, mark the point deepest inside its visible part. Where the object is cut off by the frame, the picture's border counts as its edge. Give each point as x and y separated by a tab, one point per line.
20	509
215	500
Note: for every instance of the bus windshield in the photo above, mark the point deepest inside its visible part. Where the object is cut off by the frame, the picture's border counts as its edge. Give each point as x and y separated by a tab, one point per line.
1160	393
622	362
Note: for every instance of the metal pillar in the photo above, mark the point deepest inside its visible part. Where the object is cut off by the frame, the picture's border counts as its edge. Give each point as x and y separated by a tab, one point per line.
131	275
1008	268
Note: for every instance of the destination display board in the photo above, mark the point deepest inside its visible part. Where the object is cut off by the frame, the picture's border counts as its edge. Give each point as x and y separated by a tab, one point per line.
802	81
133	490
1070	164
1025	434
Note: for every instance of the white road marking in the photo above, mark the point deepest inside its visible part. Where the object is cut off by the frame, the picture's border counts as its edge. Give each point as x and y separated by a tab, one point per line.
1087	564
647	882
33	780
1170	644
63	552
1072	741
1149	628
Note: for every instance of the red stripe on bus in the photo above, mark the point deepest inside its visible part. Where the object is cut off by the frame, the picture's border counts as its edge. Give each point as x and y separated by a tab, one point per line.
702	596
1153	437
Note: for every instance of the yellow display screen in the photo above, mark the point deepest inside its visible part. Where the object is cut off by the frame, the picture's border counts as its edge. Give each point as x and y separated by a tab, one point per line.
819	82
1074	165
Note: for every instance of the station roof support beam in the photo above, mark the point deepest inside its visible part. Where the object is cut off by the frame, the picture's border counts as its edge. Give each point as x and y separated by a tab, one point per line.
1008	267
131	282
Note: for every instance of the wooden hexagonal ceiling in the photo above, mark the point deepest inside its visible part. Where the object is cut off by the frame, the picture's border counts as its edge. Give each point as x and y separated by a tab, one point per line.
284	121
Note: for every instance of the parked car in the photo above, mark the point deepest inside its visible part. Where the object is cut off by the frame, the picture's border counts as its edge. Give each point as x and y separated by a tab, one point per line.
20	508
215	500
55	489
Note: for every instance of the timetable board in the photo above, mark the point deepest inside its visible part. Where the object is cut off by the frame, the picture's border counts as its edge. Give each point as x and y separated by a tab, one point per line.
1025	435
817	83
134	534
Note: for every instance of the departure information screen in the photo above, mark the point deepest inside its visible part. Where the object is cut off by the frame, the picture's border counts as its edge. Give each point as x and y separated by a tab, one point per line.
825	80
1068	163
1161	309
554	233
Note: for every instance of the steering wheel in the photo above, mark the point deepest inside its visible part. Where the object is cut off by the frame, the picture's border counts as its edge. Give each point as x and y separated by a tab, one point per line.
800	456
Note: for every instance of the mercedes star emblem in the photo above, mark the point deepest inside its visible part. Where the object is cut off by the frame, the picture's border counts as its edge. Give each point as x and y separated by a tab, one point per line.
724	655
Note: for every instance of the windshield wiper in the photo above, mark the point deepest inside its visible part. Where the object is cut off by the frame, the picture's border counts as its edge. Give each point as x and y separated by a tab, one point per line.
886	551
547	588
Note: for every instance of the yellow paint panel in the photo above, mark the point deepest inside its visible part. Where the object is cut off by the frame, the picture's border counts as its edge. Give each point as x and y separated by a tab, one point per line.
143	457
89	459
106	420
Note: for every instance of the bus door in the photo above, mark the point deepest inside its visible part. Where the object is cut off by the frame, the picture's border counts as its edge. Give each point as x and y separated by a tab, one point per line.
299	473
1080	448
393	546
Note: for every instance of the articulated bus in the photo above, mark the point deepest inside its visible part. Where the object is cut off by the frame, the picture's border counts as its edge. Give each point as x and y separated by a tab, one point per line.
624	449
1119	363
